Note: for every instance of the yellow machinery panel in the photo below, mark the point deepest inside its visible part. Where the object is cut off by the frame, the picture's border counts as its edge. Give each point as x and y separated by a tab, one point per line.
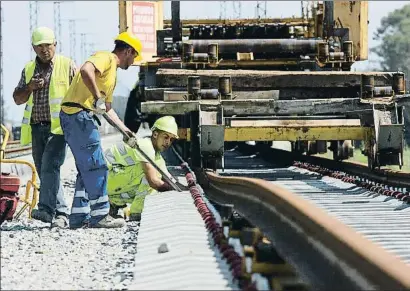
289	133
143	19
354	15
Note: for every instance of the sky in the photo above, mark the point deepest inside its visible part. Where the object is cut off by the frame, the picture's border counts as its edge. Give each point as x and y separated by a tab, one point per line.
98	20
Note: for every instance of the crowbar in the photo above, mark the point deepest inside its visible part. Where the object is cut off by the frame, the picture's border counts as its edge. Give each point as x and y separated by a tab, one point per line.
125	134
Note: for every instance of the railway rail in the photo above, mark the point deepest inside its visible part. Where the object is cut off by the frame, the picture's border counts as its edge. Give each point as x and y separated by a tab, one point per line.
13	142
14	149
335	234
17	151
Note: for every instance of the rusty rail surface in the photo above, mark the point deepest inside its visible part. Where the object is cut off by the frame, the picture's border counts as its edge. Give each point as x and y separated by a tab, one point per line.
17	151
329	253
400	179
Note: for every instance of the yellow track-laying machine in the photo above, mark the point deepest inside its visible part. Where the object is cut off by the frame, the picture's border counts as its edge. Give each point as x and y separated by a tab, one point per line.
264	80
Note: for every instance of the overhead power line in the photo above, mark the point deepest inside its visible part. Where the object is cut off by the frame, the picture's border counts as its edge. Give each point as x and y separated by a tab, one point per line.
57	25
222	10
261	9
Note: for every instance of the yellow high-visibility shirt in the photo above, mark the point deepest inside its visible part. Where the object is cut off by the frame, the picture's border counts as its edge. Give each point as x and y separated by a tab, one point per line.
106	76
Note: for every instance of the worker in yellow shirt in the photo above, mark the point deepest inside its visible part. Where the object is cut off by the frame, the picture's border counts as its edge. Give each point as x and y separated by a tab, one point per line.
131	177
91	93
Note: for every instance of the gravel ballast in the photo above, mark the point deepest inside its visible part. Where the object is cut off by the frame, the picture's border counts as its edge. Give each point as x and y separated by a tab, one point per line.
35	257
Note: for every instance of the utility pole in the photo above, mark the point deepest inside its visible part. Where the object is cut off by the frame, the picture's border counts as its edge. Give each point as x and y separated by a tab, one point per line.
72	28
57	25
306	9
33	10
261	10
91	48
237	7
83	47
73	44
222	10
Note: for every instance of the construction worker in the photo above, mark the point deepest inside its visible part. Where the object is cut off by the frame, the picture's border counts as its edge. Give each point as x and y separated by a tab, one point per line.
91	94
43	84
131	177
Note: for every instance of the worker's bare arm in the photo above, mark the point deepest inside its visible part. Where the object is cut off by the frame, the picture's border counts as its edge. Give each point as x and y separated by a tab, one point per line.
87	72
23	90
21	95
73	71
154	181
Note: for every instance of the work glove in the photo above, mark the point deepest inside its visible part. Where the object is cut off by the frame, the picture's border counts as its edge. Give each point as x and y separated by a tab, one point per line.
130	140
99	105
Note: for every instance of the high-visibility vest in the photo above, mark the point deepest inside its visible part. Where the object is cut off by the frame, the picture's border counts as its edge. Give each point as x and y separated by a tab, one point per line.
130	178
59	83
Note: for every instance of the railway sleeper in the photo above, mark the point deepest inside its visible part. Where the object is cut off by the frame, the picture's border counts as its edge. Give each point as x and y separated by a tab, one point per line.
241	256
260	263
294	243
381	189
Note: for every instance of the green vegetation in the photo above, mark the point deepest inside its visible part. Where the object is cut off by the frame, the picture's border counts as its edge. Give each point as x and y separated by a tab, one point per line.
394	35
394	51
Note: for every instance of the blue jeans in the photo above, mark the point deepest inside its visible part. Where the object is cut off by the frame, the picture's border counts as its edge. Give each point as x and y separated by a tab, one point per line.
49	151
90	198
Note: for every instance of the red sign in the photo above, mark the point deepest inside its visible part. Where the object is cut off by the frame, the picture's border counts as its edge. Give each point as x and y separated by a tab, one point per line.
143	25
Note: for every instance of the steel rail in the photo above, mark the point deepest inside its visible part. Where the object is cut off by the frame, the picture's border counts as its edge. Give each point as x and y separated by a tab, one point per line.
15	152
400	179
326	252
17	149
384	176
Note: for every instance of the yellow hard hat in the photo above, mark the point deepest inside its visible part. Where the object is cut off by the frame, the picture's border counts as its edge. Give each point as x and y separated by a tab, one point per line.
43	35
132	41
167	124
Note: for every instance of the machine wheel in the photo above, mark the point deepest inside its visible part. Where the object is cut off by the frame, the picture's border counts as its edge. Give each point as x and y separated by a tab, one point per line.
336	148
299	147
342	149
348	149
321	146
312	148
372	158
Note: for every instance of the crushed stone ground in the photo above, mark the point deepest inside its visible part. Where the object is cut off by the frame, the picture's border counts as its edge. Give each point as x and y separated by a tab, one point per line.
35	257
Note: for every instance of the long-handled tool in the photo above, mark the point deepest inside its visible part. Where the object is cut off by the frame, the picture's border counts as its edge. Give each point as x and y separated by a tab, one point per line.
125	134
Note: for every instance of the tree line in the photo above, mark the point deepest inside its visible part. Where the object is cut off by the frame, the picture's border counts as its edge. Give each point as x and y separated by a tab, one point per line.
394	49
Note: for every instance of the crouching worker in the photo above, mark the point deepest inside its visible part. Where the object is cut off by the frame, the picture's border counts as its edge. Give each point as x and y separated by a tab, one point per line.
131	177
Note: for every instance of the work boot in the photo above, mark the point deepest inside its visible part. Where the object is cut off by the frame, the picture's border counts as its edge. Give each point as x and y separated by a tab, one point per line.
84	224
109	222
135	217
60	221
114	209
42	216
